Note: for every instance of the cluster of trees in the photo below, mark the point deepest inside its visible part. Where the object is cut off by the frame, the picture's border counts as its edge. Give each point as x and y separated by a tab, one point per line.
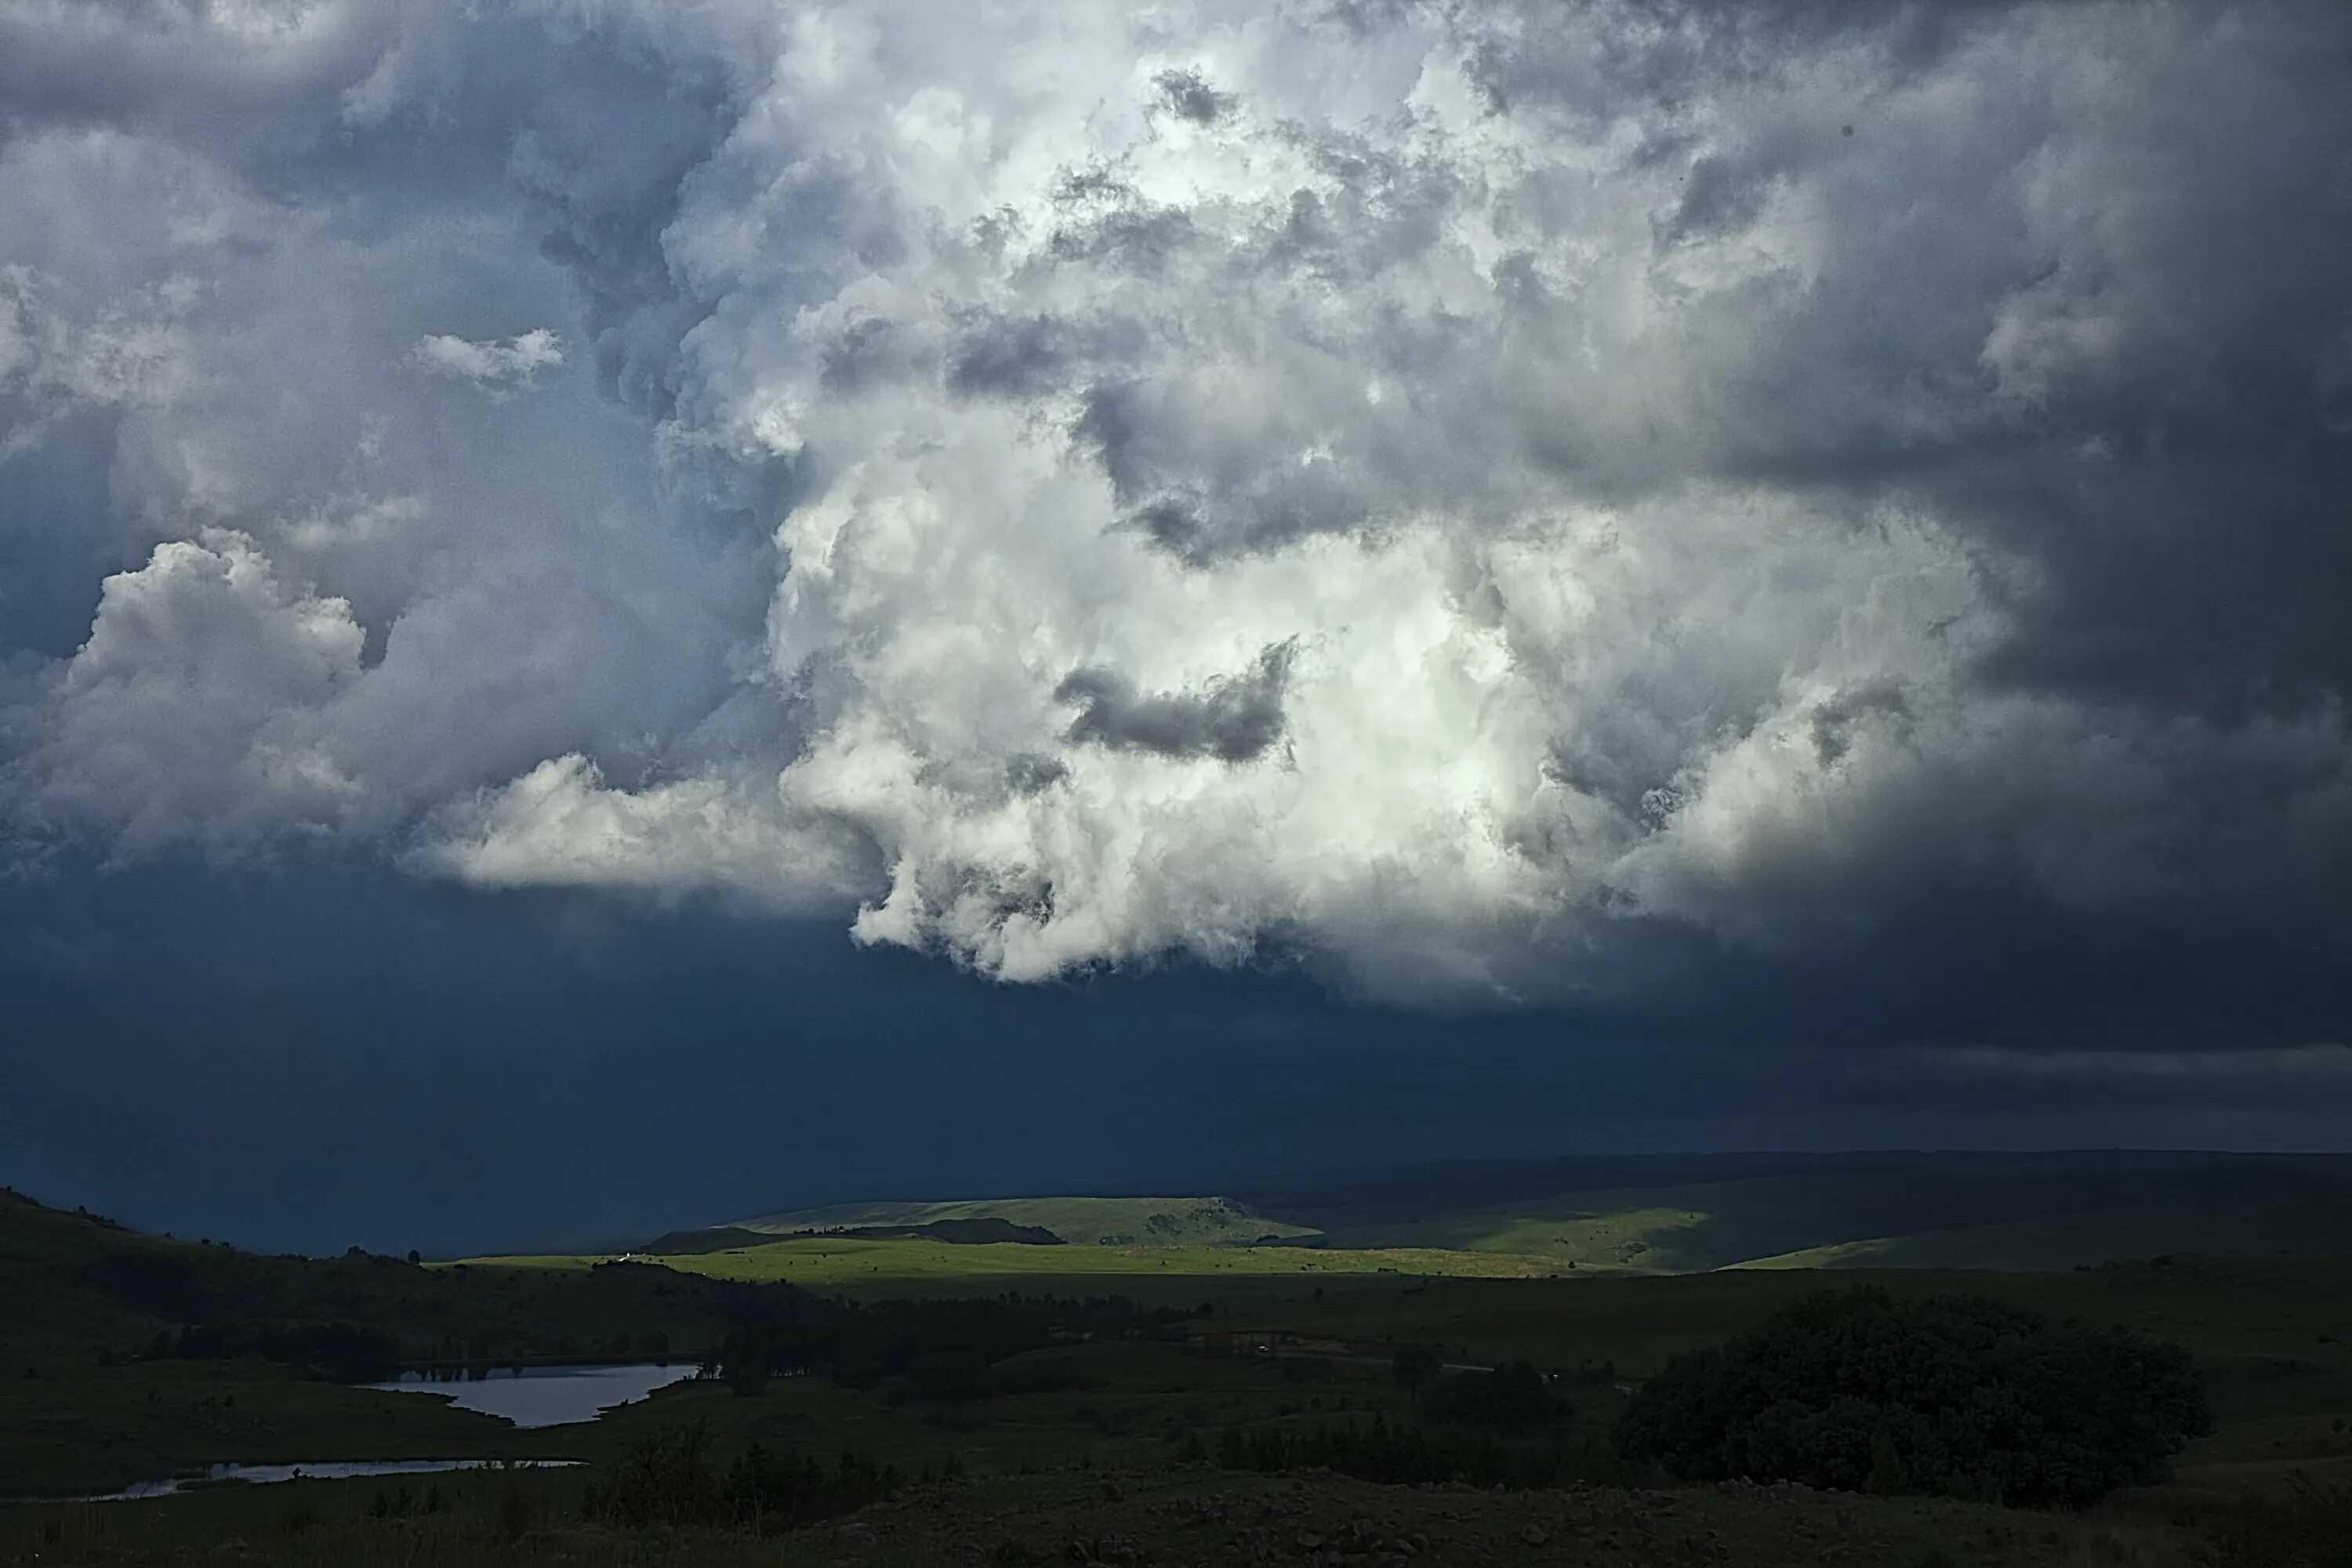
1514	1398
940	1350
669	1478
348	1352
1951	1395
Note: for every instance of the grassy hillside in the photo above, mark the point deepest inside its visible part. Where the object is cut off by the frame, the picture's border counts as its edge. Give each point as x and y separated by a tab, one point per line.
2030	1211
1081	1221
74	1285
2022	1211
48	1303
2068	1241
1174	1275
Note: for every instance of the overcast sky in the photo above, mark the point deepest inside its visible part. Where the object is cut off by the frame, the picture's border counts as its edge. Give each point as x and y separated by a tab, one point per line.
1111	592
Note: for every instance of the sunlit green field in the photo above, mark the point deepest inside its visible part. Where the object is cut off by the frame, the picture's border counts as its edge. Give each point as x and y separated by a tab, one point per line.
1958	1215
2059	1242
1080	1221
1175	1274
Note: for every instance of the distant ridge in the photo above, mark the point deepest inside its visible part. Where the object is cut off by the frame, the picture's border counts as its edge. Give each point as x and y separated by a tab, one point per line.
979	1232
1079	1221
1681	1214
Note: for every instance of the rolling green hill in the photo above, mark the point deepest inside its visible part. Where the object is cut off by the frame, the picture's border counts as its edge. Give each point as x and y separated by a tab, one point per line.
2070	1241
872	1268
2025	1211
2021	1211
1081	1221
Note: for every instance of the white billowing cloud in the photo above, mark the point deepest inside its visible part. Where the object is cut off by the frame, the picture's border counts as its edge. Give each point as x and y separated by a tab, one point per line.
498	368
561	825
1426	491
193	708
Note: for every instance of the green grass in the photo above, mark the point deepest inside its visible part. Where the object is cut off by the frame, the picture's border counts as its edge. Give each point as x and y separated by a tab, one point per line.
1079	1221
874	1268
1922	1212
1601	1231
2112	1236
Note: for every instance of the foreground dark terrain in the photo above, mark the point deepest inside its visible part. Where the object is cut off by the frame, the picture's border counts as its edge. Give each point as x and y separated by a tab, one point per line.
1338	1416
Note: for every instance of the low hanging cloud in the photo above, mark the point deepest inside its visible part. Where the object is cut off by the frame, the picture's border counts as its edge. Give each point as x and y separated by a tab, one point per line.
1497	504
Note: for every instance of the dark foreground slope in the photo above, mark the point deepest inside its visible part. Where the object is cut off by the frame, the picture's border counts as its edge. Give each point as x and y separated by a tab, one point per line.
1074	1435
76	1286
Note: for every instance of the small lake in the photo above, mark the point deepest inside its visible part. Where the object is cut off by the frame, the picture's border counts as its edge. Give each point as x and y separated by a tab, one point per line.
544	1396
266	1475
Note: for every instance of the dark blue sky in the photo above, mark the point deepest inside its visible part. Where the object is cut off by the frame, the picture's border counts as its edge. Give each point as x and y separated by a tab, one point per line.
312	1059
613	615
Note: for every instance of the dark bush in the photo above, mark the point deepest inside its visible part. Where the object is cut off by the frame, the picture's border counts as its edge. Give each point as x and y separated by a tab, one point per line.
1952	1395
1514	1398
352	1352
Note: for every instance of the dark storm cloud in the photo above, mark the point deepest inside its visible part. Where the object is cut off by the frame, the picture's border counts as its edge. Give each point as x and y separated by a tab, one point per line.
1801	490
1833	719
2119	303
1188	95
998	357
1234	719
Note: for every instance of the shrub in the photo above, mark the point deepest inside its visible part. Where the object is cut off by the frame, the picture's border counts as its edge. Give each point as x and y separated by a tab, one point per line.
1952	1395
1514	1398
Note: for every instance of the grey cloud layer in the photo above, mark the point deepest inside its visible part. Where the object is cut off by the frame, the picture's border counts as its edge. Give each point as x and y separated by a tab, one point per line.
1497	502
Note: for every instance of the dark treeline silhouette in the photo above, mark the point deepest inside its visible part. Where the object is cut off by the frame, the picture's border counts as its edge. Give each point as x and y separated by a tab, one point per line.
1950	1395
932	1350
1514	1398
360	1316
350	1352
670	1479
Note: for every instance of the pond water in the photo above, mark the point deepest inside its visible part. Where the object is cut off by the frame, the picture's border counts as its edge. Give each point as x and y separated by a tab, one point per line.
264	1474
544	1396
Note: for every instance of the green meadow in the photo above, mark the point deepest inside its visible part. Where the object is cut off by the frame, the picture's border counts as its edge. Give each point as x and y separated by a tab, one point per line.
1198	1221
1179	1275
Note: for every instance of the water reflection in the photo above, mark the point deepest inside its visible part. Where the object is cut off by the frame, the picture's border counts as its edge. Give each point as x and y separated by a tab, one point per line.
543	1395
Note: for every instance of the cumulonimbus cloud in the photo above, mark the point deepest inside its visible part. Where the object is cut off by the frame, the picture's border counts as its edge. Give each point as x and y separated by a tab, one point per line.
1446	494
